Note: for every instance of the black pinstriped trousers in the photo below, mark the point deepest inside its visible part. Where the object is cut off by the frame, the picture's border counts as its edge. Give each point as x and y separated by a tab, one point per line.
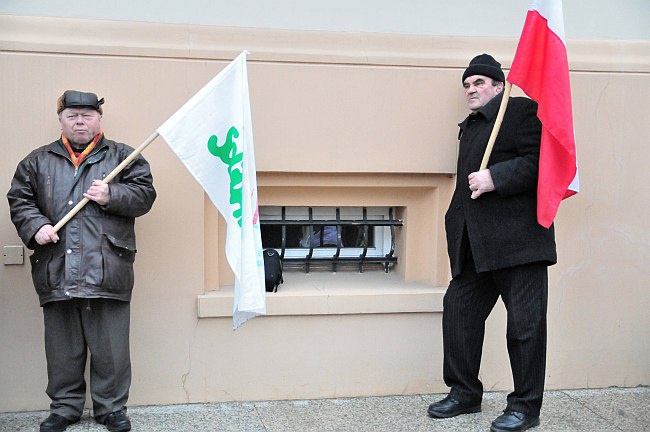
72	329
469	300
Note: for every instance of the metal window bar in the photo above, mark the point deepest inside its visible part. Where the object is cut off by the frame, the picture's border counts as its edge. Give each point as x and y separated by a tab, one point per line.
295	262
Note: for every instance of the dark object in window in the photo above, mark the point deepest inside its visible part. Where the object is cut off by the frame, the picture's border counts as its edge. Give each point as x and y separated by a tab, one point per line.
322	236
272	270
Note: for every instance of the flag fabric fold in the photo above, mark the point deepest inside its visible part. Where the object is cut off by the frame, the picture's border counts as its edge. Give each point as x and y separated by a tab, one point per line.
212	135
540	68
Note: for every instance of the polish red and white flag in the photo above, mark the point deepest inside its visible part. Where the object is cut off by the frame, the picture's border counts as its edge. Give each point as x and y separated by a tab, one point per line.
541	69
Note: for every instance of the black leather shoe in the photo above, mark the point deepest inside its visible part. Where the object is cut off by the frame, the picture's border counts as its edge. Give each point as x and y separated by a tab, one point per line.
449	407
57	423
514	421
116	421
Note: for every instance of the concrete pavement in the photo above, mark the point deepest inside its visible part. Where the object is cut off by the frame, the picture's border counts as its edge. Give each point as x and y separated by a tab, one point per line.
612	409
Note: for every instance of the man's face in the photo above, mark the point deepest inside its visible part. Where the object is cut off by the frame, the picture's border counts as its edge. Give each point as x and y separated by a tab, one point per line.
79	125
479	91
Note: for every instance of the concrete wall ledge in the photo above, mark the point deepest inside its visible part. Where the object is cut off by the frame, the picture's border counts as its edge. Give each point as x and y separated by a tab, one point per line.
341	293
182	41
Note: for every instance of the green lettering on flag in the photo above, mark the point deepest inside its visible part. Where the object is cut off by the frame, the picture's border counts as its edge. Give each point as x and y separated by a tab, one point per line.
228	155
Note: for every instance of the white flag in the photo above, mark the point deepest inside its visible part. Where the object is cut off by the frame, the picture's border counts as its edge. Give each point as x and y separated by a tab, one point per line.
212	135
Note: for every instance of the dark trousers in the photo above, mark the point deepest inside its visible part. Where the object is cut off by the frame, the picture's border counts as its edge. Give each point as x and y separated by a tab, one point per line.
72	329
468	302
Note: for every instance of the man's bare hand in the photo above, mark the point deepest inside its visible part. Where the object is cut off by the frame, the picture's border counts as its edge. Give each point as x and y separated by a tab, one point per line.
98	192
46	235
480	182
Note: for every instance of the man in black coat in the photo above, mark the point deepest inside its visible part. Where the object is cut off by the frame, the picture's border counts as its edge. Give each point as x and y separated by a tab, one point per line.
496	248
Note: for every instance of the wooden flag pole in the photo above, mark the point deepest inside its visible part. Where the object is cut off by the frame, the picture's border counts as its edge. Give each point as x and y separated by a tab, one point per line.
497	125
106	179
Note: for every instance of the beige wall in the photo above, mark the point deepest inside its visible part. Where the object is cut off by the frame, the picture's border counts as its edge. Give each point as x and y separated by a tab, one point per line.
339	119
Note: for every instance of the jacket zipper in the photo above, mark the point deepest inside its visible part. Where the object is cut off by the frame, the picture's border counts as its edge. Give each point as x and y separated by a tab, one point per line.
49	188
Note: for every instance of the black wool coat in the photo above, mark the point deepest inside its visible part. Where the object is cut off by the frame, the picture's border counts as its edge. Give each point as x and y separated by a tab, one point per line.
501	226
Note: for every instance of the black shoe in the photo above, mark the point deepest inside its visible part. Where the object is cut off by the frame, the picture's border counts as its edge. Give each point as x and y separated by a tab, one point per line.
57	423
116	421
449	407
514	421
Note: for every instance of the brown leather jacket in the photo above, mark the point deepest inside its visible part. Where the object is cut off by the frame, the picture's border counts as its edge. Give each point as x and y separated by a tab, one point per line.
95	254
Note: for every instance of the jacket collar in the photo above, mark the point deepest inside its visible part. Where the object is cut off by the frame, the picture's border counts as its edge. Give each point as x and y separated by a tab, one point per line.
59	148
488	112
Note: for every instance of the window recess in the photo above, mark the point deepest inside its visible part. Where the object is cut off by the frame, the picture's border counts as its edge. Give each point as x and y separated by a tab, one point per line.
331	238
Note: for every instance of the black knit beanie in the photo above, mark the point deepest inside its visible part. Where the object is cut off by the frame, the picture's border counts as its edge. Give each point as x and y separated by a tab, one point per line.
485	65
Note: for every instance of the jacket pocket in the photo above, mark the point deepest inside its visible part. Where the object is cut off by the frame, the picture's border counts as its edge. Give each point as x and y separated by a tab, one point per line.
48	271
118	256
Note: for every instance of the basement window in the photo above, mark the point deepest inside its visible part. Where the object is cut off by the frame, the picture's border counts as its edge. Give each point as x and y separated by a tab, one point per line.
331	238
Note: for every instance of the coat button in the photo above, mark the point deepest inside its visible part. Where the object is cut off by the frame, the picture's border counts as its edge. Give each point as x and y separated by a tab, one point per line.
70	202
69	251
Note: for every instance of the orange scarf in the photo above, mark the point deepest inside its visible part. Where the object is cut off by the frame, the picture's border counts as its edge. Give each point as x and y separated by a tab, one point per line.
77	157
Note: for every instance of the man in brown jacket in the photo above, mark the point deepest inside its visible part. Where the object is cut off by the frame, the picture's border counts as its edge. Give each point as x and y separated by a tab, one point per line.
83	274
496	249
